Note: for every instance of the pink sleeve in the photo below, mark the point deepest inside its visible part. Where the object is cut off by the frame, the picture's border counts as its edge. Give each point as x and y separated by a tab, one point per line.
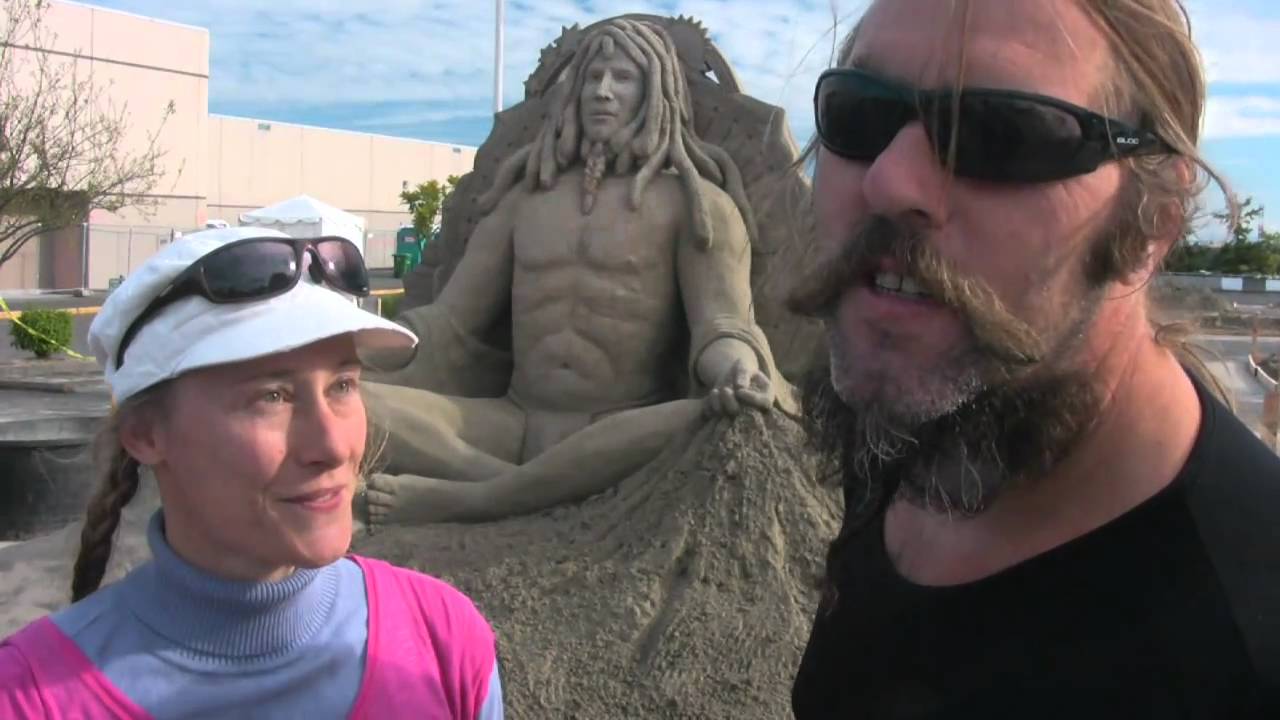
463	640
44	674
19	695
460	648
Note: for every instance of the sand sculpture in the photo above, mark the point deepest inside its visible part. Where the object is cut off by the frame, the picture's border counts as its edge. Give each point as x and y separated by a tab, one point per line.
612	261
687	589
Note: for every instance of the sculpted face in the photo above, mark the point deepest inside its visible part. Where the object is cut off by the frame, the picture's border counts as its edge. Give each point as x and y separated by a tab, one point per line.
612	95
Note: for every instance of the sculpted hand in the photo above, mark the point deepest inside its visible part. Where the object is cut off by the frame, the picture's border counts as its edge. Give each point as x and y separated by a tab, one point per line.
740	387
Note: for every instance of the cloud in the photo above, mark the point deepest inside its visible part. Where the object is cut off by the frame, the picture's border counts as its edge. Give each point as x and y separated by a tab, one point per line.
1238	40
430	62
1243	116
437	55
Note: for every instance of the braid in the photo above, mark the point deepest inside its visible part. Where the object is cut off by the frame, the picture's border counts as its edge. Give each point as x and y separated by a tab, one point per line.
858	513
119	485
597	163
834	434
833	577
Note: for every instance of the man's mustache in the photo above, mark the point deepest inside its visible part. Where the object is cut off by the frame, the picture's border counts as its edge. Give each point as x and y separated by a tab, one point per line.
998	332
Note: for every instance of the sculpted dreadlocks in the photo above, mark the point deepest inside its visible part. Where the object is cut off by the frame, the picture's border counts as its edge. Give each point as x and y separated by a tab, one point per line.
659	139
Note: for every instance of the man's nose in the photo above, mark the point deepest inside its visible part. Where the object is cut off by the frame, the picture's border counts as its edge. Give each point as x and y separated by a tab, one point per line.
907	180
604	89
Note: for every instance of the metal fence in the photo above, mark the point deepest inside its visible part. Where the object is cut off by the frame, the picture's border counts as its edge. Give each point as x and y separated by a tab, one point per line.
1222	283
116	250
379	245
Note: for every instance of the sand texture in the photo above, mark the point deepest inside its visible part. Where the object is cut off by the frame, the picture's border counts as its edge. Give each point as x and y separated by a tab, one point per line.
687	591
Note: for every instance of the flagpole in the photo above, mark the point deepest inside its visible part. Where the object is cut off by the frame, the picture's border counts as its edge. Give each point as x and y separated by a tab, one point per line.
500	12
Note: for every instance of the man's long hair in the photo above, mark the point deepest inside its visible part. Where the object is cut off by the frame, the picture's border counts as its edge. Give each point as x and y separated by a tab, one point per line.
660	138
1157	81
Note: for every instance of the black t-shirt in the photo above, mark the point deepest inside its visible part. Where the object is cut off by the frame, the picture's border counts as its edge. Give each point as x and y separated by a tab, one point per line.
1171	611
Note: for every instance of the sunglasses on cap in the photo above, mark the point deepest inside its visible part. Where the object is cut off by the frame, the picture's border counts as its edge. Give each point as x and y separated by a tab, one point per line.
256	269
1001	136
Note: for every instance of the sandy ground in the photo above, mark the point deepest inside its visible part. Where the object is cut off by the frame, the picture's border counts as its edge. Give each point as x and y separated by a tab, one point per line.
687	591
35	575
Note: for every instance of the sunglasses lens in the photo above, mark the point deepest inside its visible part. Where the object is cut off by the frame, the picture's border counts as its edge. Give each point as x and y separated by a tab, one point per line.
1010	139
250	270
343	266
859	116
1001	137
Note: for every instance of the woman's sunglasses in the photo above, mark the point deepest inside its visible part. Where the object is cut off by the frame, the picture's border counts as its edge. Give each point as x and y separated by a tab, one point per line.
259	269
998	136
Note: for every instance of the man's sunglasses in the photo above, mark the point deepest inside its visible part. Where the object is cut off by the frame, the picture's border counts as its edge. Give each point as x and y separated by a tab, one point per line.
255	269
999	135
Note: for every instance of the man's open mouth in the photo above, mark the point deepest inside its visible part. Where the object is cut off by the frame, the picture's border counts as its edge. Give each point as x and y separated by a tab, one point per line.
897	284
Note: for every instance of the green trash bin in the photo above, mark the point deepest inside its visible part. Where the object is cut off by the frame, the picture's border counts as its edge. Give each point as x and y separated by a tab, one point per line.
408	243
400	265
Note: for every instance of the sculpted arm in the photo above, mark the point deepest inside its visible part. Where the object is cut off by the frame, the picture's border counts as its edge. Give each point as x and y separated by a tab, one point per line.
452	328
479	290
727	348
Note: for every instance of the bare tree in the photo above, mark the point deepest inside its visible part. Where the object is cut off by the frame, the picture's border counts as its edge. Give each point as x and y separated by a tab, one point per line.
62	138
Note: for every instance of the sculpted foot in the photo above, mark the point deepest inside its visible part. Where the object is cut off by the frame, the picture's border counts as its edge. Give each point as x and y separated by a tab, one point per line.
415	500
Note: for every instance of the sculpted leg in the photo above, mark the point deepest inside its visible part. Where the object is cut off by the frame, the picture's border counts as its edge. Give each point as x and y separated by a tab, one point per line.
465	439
468	439
586	463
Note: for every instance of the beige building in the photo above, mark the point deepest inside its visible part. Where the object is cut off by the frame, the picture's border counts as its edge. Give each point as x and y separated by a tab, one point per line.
216	167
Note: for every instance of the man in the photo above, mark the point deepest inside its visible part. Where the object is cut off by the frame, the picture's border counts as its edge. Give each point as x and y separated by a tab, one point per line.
620	245
1047	516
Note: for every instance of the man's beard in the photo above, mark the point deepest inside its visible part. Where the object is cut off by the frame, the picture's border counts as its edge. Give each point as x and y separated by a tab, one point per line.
597	156
1002	415
595	164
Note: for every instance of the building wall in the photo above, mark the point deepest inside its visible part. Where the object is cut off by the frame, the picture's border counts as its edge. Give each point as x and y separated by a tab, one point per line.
140	67
22	270
255	163
216	167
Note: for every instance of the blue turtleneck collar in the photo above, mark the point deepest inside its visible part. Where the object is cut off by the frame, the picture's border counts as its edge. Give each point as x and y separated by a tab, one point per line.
218	620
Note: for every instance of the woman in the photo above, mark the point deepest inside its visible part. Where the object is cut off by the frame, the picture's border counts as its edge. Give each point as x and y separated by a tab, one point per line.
235	375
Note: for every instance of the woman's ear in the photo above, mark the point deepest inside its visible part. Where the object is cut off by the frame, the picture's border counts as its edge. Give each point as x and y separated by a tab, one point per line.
141	435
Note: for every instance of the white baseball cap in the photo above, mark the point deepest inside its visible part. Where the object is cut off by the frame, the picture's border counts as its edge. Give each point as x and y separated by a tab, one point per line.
195	333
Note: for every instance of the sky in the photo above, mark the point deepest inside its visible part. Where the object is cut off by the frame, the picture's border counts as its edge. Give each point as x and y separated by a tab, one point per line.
425	68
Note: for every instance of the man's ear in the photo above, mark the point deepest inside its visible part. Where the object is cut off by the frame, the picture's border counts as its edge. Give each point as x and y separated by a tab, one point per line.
1168	226
1150	263
141	436
1172	223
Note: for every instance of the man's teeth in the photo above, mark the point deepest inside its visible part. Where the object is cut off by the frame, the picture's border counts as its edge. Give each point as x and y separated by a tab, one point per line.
894	282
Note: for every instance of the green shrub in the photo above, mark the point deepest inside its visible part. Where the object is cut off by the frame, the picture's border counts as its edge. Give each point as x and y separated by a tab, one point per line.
391	306
49	331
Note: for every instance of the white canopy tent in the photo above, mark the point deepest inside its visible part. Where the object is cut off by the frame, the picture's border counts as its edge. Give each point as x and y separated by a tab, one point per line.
304	216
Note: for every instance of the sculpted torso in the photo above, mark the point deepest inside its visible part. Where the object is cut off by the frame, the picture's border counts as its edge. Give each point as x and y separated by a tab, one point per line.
627	325
597	321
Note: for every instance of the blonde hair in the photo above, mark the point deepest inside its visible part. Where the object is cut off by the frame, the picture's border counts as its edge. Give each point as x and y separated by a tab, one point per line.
661	136
1158	83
